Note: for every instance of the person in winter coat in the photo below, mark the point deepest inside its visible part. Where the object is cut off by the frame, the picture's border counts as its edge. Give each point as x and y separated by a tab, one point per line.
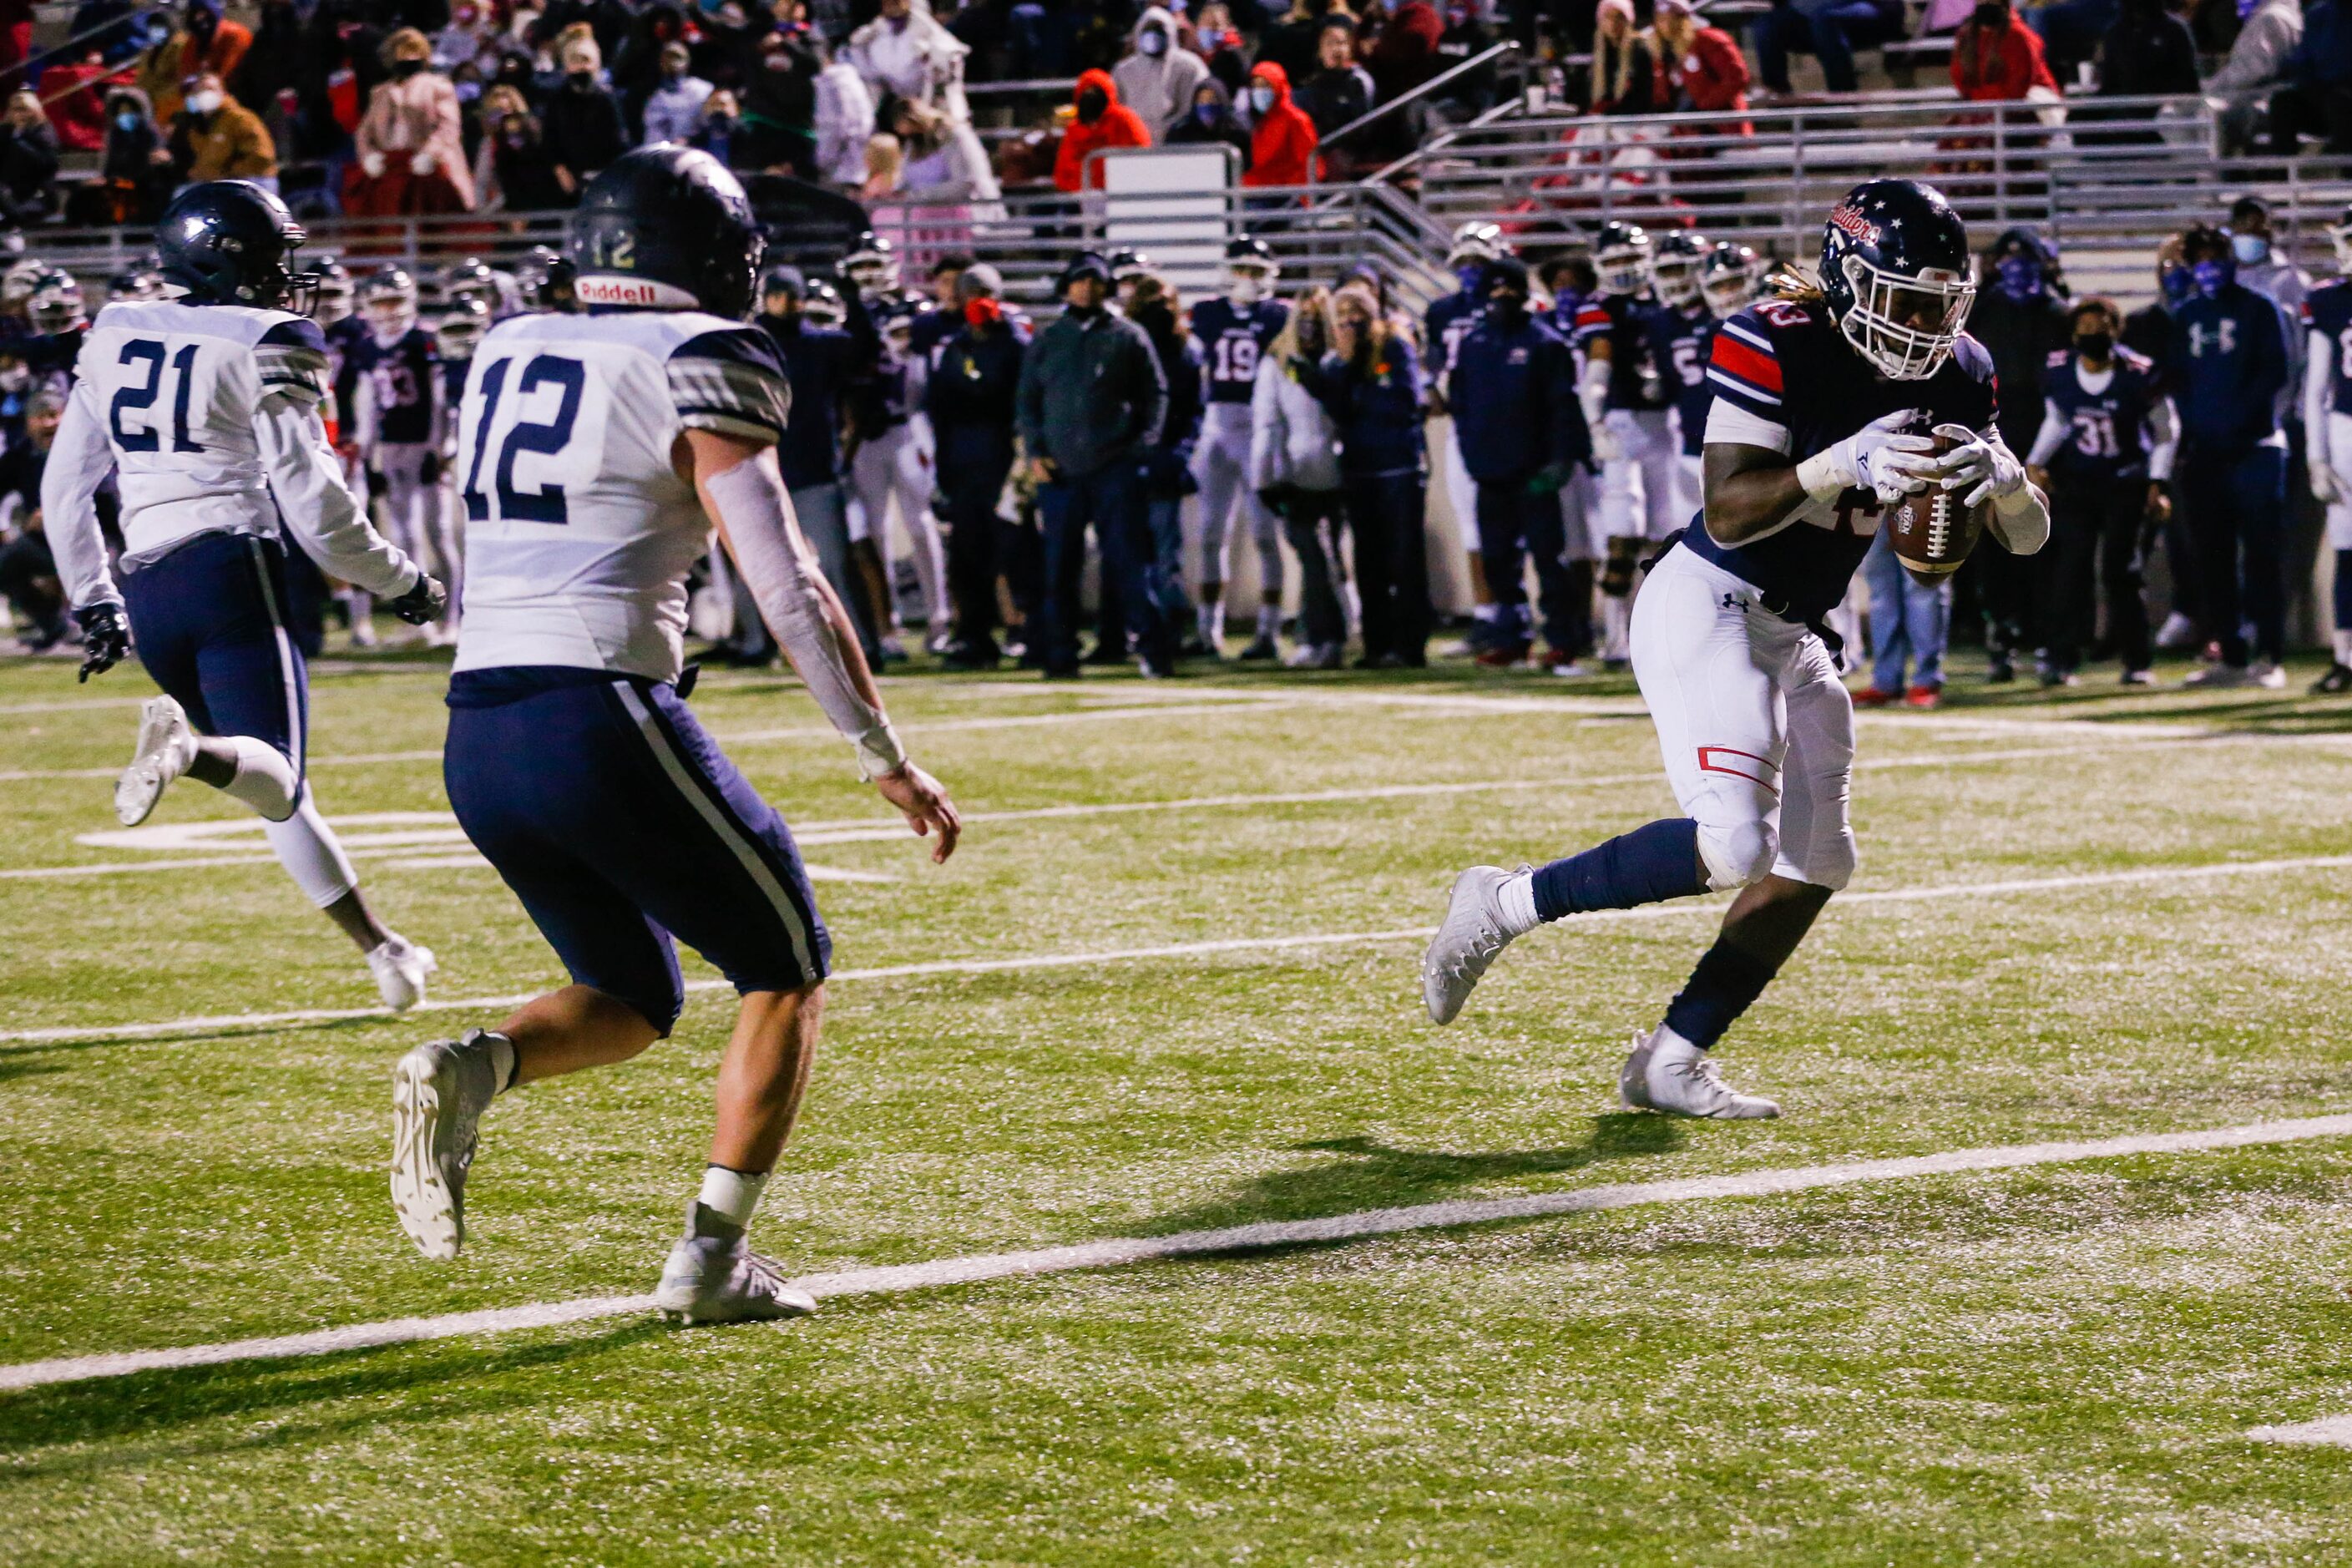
1625	75
1373	389
1704	65
1157	78
1340	89
1291	43
1282	138
28	158
971	395
580	122
1212	118
2265	47
411	151
1167	466
1103	124
2020	316
907	52
136	166
217	138
2318	97
1295	469
204	41
1516	412
2149	52
673	109
845	120
1090	403
524	170
1996	58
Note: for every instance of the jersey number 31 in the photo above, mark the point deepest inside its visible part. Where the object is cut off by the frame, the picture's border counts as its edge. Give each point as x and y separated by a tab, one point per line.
545	504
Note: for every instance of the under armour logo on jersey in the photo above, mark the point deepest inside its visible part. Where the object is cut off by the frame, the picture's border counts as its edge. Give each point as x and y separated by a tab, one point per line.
1734	602
2223	335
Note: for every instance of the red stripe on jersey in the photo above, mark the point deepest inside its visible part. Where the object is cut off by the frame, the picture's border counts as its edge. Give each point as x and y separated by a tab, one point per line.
1760	369
1592	316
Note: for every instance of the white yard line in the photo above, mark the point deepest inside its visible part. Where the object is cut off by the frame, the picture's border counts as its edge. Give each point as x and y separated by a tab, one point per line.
2334	1431
1124	1250
1935	892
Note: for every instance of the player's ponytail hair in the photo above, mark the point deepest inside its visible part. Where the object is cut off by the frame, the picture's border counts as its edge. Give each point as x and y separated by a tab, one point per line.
1791	281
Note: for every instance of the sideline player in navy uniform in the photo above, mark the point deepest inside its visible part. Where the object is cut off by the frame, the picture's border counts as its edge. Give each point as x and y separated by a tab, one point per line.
399	389
2104	454
1234	331
594	454
1629	404
1682	329
206	405
1823	402
2328	431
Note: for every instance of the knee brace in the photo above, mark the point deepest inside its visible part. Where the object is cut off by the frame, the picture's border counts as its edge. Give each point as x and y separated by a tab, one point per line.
1738	853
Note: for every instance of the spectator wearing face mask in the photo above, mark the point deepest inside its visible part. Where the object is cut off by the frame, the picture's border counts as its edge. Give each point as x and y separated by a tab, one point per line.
1103	124
905	50
1373	387
28	158
470	38
2021	318
1217	41
580	122
1996	58
718	136
638	63
1212	118
780	107
524	170
1340	89
135	172
674	107
971	394
1156	79
1282	137
217	138
412	148
845	118
202	42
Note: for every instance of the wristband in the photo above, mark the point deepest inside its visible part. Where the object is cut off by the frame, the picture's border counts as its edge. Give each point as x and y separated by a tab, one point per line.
1822	478
880	752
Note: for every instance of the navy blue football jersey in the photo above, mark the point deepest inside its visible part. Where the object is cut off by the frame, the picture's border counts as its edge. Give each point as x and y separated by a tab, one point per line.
1231	338
342	343
1786	379
929	333
2328	312
401	381
1449	322
2108	433
453	382
1680	336
1636	378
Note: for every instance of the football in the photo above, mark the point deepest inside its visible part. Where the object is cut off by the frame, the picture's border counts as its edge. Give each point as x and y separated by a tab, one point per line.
1933	531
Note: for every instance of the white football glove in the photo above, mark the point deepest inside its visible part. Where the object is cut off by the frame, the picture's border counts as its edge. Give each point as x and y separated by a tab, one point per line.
2323	487
1878	458
1983	462
1608	436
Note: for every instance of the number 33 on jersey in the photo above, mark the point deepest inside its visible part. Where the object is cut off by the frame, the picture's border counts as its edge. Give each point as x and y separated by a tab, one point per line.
578	531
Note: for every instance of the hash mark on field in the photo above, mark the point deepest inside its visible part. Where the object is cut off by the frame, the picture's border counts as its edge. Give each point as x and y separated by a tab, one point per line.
250	1022
2334	1431
1264	1236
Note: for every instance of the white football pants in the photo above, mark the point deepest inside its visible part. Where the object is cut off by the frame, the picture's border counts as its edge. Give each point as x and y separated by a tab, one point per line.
416	515
1221	468
897	464
1756	729
2339	457
1638	490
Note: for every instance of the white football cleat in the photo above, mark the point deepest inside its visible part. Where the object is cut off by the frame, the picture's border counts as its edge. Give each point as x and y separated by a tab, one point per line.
1678	1078
400	968
2177	631
438	1094
1468	941
167	745
2267	675
710	1281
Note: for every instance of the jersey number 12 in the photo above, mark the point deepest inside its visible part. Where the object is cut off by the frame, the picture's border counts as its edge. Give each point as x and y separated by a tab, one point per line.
545	504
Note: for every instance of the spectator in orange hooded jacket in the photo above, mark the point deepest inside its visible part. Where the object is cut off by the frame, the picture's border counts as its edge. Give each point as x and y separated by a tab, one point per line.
1103	123
1282	144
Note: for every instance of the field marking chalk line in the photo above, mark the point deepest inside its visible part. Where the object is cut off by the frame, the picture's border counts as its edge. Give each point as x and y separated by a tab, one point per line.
1124	1250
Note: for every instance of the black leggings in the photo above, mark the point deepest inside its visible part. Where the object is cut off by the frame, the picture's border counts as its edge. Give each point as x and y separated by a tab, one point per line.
2095	531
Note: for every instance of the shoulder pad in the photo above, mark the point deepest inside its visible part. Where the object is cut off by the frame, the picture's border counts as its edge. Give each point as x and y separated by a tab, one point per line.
1972	358
295	333
731	381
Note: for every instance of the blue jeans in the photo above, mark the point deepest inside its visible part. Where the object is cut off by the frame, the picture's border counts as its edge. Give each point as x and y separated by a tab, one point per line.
1111	499
2237	505
1831	30
1907	620
1167	521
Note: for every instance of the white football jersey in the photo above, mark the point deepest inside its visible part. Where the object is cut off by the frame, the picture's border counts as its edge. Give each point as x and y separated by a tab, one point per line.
176	390
578	531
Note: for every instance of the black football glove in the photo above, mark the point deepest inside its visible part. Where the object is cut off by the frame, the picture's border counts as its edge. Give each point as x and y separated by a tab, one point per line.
106	636
431	471
422	603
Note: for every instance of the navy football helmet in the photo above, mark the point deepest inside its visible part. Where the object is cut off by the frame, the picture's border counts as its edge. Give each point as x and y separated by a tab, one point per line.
1621	258
670	228
1674	265
229	242
1249	269
1895	273
1728	278
55	304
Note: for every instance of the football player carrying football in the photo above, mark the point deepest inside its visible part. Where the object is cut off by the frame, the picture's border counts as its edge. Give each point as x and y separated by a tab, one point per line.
1825	400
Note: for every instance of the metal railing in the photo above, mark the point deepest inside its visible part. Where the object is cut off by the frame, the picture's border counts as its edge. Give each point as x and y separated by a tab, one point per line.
1506	51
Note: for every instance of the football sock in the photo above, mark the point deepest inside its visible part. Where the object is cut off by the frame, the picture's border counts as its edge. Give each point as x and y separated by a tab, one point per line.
724	1207
2343	606
1213	621
1269	621
265	779
1646	866
307	848
1724	983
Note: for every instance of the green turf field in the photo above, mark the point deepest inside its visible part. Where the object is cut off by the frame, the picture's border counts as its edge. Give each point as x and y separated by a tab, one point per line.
2052	1364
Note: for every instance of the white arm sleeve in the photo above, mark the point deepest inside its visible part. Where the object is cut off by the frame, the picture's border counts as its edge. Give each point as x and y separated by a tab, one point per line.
2164	426
79	462
329	522
777	567
2021	519
1592	391
2318	371
2049	437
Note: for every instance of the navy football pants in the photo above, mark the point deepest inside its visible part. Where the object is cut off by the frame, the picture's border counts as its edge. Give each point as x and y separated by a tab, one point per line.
210	622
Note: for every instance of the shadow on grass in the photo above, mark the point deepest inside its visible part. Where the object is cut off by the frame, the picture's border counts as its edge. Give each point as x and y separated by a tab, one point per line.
1369	1174
395	1382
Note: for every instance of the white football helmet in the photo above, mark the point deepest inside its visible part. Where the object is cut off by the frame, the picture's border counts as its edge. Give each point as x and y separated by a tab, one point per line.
388	301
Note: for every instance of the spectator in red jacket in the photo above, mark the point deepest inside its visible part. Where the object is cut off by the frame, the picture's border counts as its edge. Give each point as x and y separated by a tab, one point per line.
1282	144
1703	64
1102	122
1996	56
